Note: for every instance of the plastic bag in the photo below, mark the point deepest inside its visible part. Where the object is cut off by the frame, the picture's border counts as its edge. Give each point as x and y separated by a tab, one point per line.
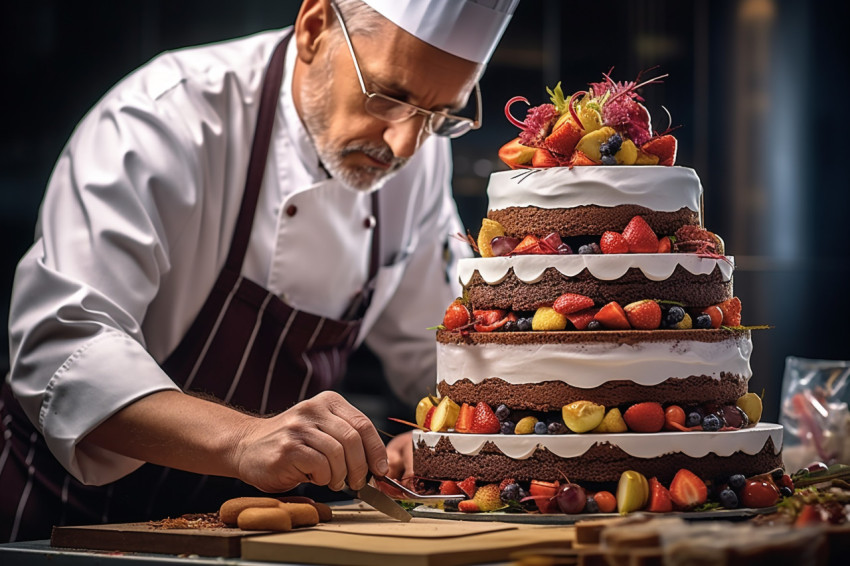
814	412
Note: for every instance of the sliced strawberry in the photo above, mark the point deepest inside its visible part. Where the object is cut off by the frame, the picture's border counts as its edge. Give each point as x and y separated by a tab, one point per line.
464	418
581	319
665	245
515	155
544	158
664	147
580	158
484	420
639	235
564	137
643	315
613	243
468	486
731	309
645	417
659	498
569	303
457	315
426	424
449	487
529	245
489	320
613	317
687	490
468	507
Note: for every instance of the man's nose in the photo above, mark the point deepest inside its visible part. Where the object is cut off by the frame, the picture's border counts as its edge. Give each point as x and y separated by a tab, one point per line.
404	138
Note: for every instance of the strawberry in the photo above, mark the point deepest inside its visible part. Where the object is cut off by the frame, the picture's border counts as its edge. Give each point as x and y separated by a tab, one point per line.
581	319
731	309
664	147
564	137
643	315
484	420
544	158
468	486
613	243
449	487
665	245
544	493
659	498
515	155
716	315
468	507
569	303
489	320
613	317
488	497
464	418
529	245
674	418
426	424
580	158
645	417
687	490
457	315
639	235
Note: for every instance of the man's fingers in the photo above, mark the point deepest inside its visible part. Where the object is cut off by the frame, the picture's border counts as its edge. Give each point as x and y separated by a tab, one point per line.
329	446
313	464
376	453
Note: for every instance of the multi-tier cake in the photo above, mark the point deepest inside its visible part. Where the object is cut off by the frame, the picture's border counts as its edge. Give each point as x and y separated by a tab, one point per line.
598	333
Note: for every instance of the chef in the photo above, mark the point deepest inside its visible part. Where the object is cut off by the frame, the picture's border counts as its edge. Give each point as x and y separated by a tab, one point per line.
222	229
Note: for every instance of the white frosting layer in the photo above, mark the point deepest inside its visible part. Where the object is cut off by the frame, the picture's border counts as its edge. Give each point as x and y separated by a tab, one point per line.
694	444
590	364
529	268
656	187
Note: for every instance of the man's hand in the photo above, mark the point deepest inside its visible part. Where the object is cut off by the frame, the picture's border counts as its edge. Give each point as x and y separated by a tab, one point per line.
323	440
400	456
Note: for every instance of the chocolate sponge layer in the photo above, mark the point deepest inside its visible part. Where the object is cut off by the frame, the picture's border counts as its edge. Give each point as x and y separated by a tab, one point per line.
682	286
588	220
601	463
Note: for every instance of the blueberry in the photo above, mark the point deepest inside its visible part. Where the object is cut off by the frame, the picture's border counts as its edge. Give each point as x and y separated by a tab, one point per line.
786	491
777	473
508	427
502	413
605	149
510	326
557	428
614	143
675	315
510	493
523	324
737	481
591	506
592	248
694	419
609	160
594	325
728	499
541	428
711	422
702	321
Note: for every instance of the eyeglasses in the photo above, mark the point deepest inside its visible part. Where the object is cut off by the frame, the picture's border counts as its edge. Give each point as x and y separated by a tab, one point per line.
393	110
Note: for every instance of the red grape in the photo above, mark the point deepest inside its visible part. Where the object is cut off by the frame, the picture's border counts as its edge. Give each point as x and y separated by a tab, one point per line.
571	498
503	245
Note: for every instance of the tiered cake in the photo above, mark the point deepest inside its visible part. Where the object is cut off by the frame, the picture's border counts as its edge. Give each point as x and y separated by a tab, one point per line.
598	332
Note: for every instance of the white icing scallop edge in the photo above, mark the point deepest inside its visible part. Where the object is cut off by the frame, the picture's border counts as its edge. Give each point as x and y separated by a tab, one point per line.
530	268
694	444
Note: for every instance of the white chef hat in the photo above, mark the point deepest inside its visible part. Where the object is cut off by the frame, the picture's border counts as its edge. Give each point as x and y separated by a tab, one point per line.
469	29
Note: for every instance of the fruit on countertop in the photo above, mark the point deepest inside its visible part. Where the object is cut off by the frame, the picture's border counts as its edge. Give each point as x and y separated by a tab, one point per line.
571	498
632	492
544	494
582	416
687	490
659	497
487	497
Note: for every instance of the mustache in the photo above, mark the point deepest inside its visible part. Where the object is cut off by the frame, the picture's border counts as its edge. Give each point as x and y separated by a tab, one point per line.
379	152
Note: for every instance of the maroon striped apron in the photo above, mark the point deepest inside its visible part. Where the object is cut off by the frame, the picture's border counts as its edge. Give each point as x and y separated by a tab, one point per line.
246	348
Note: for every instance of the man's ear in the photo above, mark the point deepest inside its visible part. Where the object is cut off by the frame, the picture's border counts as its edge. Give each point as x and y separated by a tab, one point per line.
314	19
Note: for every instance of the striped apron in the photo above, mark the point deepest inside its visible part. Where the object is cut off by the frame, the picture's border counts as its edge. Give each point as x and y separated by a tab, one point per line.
246	348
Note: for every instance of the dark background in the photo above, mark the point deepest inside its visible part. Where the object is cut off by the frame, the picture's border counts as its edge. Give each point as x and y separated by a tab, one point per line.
759	88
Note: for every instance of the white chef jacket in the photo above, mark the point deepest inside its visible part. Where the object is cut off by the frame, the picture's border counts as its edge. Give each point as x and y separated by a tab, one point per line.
136	224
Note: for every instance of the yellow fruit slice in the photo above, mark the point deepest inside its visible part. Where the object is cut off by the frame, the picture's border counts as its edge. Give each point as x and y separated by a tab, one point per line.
590	118
525	425
628	153
445	415
644	158
751	404
547	318
489	230
589	143
423	407
632	492
582	416
613	422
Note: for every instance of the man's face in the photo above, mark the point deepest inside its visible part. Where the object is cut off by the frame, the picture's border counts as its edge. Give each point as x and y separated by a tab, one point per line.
357	148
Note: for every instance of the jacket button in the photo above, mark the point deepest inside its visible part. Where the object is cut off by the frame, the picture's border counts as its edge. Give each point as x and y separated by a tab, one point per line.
369	222
291	210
